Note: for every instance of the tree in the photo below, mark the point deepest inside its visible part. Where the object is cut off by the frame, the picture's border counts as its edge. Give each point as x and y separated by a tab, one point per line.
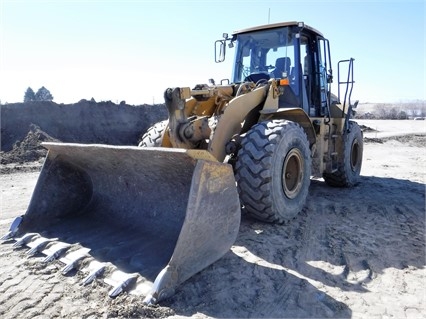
381	110
43	94
392	113
402	115
29	95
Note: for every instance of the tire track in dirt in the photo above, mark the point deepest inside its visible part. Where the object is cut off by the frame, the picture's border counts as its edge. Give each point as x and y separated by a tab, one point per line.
28	289
31	289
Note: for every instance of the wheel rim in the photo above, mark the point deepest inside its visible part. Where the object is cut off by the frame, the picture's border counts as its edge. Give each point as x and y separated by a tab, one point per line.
292	173
355	149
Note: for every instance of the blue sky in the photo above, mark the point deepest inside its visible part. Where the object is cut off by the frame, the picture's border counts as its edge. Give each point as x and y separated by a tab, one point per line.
134	50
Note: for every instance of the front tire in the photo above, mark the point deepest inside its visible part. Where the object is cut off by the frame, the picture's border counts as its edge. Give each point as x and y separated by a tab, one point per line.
273	170
154	135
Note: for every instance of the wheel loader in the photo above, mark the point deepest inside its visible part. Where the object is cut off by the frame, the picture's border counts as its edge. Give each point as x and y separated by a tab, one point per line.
146	218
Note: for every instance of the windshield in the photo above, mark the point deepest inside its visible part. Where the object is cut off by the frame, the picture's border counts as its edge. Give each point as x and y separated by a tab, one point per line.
270	52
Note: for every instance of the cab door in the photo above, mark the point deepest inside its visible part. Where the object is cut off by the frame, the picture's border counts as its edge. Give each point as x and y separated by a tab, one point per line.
324	75
317	76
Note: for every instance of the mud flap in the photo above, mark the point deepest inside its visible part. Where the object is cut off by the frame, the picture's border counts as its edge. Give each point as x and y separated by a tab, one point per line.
162	213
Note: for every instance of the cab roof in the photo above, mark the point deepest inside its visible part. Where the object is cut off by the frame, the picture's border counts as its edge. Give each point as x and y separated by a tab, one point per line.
276	25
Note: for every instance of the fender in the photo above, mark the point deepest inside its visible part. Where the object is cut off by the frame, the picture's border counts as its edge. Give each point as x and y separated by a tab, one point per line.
294	114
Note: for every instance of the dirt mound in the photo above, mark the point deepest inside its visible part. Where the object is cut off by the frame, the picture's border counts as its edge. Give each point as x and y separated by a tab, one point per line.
29	149
25	125
412	140
365	128
82	122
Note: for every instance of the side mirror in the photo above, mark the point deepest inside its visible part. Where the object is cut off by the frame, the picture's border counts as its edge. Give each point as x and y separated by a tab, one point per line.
219	50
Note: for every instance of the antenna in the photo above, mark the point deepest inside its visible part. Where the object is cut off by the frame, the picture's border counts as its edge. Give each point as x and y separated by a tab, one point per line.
269	15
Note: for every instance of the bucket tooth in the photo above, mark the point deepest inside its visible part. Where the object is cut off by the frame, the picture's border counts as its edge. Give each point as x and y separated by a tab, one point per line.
13	229
95	269
120	281
54	251
24	240
71	259
7	236
162	288
38	244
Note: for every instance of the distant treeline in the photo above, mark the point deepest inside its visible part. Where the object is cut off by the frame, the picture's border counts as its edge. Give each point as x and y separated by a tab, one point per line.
402	111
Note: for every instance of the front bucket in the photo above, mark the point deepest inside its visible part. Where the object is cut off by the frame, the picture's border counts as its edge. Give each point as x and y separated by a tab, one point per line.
163	213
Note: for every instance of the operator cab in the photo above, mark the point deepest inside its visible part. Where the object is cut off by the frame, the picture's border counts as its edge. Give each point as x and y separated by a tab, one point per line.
292	52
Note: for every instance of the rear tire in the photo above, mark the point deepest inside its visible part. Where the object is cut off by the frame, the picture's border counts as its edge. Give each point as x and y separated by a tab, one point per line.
154	135
349	166
273	170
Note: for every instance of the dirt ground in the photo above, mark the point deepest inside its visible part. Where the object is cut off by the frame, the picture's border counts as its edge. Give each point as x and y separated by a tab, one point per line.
351	253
